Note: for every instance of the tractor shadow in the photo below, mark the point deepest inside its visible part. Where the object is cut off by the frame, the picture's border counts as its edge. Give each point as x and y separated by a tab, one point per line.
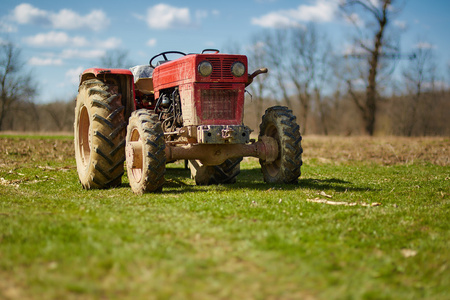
253	179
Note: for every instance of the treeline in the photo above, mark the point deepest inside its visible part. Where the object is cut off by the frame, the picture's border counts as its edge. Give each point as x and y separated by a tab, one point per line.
368	88
364	85
396	116
57	116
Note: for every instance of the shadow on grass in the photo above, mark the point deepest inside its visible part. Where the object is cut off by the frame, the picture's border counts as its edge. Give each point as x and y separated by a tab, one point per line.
253	179
331	184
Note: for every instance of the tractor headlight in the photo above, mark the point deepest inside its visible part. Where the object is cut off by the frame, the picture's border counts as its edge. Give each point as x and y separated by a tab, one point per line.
205	68
238	69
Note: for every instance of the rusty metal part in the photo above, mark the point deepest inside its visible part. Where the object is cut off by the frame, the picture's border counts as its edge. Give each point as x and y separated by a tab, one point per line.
214	154
227	134
254	74
270	149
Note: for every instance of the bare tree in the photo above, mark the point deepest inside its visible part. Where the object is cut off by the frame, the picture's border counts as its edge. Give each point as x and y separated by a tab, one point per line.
276	50
311	70
302	67
61	115
374	48
301	60
260	86
419	77
16	85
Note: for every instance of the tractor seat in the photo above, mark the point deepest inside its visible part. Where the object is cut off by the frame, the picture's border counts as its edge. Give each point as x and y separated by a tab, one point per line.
162	62
143	78
143	71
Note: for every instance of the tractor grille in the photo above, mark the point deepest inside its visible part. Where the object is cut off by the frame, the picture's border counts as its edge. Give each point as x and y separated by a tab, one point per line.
226	68
218	104
221	68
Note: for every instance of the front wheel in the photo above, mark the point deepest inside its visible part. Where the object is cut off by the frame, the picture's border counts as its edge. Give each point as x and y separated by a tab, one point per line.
145	152
279	123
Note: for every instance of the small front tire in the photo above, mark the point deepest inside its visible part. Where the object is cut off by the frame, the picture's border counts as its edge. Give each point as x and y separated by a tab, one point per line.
279	123
145	152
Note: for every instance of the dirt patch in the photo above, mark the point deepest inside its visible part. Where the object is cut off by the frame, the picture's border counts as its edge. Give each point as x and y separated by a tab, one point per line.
18	151
381	150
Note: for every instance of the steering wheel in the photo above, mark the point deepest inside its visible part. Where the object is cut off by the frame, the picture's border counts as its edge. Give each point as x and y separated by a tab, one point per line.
163	54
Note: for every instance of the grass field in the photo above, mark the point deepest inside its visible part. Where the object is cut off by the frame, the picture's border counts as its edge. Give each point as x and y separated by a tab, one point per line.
369	219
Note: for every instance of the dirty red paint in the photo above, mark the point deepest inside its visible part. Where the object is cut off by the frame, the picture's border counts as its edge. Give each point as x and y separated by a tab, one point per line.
217	99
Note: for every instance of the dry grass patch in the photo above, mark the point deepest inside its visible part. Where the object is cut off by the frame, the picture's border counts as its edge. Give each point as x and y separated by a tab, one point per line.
379	150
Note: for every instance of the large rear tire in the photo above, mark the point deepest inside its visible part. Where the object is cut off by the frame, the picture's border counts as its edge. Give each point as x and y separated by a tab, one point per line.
145	152
99	133
224	173
279	123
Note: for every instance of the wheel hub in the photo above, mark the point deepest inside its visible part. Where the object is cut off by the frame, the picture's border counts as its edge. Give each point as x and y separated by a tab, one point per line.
133	152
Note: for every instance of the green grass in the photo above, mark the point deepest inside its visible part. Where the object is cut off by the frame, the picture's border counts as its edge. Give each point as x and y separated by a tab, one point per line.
249	240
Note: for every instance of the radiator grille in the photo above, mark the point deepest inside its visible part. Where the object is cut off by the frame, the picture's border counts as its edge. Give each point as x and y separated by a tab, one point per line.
226	68
221	85
219	104
221	68
217	70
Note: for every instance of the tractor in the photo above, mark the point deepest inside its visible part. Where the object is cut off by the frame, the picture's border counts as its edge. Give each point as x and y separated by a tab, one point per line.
190	108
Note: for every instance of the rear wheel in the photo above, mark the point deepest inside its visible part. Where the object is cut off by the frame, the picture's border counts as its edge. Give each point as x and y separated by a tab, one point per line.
99	131
145	154
279	123
224	173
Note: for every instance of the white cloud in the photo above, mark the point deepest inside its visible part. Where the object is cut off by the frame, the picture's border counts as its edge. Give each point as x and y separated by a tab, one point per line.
73	75
354	19
110	43
37	61
55	39
375	3
320	11
64	19
355	49
67	19
400	24
78	53
275	20
62	39
424	45
163	16
257	47
28	14
151	42
201	14
4	27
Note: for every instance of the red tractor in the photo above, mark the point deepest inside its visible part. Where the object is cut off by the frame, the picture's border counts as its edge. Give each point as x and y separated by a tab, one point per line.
191	109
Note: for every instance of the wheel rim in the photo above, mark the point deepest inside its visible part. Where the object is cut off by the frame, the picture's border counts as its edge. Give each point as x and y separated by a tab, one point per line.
136	173
84	136
274	167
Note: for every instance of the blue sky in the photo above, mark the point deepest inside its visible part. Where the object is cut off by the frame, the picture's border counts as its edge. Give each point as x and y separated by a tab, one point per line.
59	39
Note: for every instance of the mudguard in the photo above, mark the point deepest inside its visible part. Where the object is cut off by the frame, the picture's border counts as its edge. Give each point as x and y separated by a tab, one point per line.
124	79
96	72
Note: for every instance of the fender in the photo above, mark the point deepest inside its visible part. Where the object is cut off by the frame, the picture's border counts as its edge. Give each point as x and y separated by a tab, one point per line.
123	77
95	72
